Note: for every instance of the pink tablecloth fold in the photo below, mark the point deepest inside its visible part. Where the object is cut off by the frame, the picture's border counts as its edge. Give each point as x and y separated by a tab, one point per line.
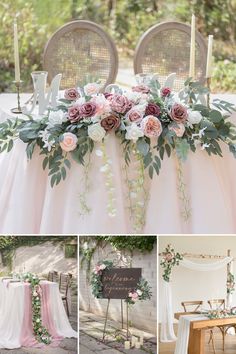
27	334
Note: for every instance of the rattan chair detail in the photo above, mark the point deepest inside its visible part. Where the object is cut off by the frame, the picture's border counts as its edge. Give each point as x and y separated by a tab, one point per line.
165	48
81	51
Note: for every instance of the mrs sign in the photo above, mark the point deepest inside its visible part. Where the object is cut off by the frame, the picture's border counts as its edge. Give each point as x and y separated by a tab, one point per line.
119	282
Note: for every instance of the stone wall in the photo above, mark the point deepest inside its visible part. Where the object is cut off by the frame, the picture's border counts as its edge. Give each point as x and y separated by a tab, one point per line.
143	315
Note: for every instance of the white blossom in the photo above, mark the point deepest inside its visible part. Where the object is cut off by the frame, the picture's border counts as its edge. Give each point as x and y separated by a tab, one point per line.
133	132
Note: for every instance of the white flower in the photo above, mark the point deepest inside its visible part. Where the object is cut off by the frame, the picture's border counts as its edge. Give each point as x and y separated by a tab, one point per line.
49	144
92	89
96	132
133	132
38	320
133	96
194	117
139	292
103	266
35	294
56	117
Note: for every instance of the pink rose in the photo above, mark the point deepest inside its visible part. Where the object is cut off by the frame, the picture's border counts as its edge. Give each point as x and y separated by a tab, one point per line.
151	126
102	104
141	88
69	142
153	109
88	109
134	115
177	128
169	257
108	95
74	113
165	91
71	94
178	113
92	89
120	103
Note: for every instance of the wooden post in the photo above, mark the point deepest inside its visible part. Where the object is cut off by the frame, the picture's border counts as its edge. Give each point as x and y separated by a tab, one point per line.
105	325
127	309
122	317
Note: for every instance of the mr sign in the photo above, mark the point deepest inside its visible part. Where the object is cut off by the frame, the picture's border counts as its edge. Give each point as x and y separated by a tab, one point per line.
118	282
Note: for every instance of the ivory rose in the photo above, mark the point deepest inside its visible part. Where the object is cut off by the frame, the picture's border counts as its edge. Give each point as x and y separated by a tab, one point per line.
69	142
102	104
151	126
194	117
96	132
177	128
133	132
92	89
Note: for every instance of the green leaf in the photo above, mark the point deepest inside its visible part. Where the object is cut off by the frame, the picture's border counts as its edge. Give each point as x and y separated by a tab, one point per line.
215	116
161	152
182	149
67	163
10	146
142	147
63	172
168	150
53	180
45	162
150	171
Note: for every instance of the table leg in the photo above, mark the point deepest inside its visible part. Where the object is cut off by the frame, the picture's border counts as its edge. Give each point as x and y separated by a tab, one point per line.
196	343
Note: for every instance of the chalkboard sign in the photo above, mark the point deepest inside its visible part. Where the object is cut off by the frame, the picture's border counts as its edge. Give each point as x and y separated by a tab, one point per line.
118	282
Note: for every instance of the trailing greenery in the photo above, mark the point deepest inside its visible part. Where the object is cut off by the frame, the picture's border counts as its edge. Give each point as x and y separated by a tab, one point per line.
170	259
130	243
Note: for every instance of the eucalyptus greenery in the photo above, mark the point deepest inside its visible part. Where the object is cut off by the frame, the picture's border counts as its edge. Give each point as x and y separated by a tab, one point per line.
169	259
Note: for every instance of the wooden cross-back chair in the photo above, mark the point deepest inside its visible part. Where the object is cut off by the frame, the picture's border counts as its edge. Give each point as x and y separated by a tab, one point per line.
192	306
81	51
53	276
64	285
165	48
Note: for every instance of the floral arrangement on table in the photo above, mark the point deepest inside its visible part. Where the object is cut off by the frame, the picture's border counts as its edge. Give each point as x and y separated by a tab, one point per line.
151	122
141	292
217	313
230	284
170	259
41	333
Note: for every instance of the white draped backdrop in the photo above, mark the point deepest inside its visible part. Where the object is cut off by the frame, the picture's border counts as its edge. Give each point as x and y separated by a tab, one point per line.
167	315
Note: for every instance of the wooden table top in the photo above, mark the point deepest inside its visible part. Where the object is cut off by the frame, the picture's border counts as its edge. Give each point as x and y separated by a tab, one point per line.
201	324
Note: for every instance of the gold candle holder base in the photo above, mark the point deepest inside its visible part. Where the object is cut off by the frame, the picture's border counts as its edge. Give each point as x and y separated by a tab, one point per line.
208	80
17	110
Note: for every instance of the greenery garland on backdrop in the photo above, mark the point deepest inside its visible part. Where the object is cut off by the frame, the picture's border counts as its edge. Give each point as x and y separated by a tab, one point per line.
140	293
170	259
41	333
150	122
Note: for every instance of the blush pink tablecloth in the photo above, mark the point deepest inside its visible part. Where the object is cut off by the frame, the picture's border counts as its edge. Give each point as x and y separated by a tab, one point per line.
29	205
16	328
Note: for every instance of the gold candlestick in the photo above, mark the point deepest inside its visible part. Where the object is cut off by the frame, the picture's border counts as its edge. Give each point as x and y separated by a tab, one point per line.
208	79
18	109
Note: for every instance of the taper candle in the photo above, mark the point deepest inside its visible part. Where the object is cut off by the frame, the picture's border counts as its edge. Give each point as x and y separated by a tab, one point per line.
16	53
137	345
192	49
209	57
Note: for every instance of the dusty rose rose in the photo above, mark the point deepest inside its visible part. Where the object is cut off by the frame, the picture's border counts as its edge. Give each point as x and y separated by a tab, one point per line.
141	88
153	109
108	95
69	142
110	122
88	109
71	94
74	113
165	91
169	257
178	128
134	296
151	126
120	103
135	115
178	113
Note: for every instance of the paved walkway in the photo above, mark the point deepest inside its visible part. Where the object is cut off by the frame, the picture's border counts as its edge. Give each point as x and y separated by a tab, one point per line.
91	329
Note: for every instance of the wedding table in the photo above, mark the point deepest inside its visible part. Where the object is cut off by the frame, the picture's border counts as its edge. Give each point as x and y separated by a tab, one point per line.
16	328
192	328
29	205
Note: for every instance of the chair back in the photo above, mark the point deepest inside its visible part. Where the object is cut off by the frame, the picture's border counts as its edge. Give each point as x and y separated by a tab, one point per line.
65	281
82	52
53	276
50	275
192	306
216	304
165	49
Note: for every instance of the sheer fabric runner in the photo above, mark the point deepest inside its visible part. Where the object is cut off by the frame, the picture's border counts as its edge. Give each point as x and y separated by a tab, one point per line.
167	318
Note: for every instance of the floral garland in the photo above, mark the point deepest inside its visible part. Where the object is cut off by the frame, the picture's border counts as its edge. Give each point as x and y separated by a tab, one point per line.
41	333
141	292
150	117
212	314
230	283
170	259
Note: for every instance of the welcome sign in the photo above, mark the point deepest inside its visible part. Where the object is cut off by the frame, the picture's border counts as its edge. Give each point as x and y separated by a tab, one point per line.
118	282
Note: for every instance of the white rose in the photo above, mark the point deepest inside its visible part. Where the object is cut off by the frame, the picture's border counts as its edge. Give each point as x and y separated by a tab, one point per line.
133	132
96	132
139	292
194	117
56	117
92	89
102	266
133	96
